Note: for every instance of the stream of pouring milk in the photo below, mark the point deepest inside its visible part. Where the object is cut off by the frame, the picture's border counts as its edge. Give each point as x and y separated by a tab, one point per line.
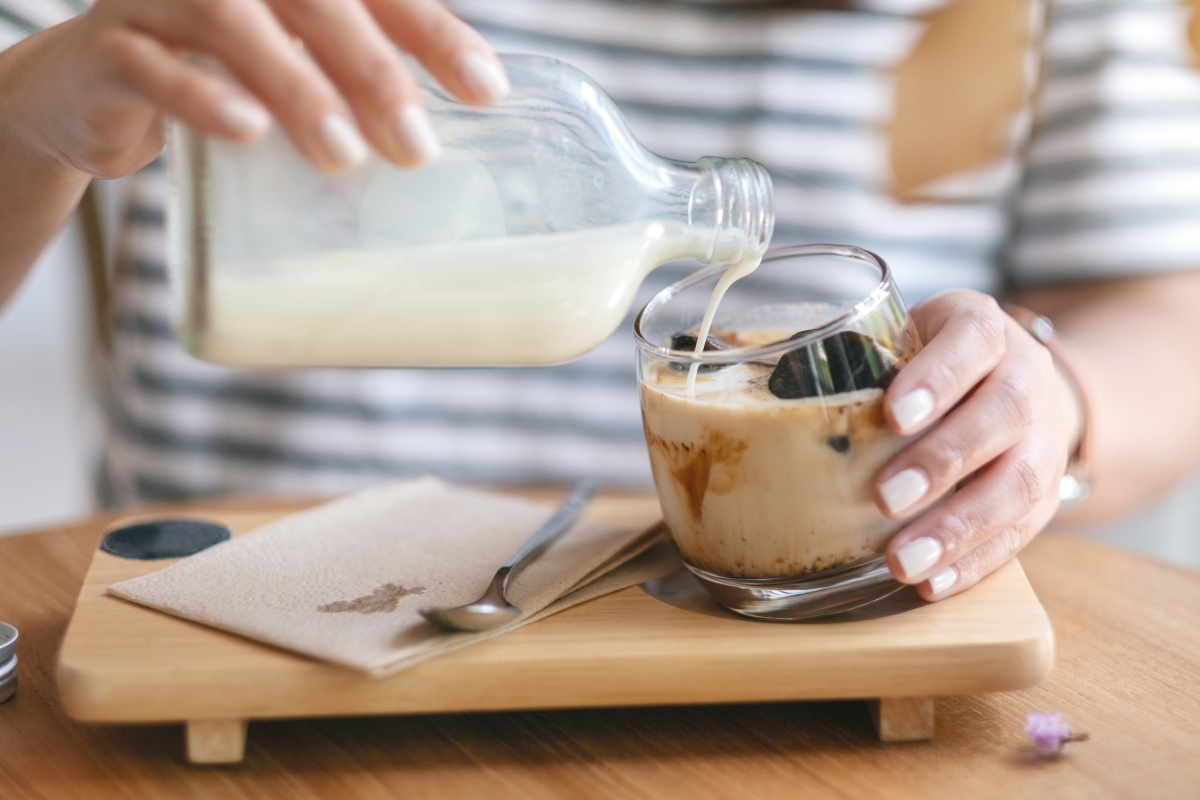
734	273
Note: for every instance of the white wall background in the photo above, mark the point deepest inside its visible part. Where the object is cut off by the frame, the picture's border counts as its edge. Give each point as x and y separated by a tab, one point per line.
48	430
1168	529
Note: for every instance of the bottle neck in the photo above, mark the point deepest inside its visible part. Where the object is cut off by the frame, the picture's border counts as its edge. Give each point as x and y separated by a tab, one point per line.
729	208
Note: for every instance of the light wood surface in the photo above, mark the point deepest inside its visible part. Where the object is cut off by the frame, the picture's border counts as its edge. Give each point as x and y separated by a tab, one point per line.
1126	672
121	662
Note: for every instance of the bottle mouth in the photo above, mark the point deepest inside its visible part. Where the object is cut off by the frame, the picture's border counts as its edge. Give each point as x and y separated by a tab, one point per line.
743	199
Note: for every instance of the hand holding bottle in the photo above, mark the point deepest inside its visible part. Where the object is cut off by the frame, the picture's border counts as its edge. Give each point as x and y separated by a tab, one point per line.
330	72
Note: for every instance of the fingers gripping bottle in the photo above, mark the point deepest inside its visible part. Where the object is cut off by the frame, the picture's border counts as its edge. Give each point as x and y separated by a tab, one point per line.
521	244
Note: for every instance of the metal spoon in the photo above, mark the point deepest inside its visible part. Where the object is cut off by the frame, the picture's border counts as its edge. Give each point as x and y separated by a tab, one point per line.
493	609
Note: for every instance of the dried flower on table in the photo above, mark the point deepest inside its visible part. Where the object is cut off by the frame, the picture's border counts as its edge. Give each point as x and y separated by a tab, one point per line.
1049	733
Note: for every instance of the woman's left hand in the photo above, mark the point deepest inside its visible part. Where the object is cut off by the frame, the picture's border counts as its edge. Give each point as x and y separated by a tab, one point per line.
996	421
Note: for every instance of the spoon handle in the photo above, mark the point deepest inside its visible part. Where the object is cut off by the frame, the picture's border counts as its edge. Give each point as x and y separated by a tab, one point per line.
551	529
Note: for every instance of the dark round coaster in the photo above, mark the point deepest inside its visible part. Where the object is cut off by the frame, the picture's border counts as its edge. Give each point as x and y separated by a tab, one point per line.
163	538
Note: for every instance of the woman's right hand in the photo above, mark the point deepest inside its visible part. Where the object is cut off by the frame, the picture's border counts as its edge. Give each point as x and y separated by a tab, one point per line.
330	73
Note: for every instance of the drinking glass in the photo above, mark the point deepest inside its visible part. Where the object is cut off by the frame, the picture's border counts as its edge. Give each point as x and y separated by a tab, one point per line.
764	446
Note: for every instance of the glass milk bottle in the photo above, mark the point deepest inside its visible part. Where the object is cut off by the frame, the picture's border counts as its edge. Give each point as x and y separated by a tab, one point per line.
522	244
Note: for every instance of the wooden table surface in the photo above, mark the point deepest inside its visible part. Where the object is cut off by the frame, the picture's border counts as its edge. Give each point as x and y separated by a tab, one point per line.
1127	673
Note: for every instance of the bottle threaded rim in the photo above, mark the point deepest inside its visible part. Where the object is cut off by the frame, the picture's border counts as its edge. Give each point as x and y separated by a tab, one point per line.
745	209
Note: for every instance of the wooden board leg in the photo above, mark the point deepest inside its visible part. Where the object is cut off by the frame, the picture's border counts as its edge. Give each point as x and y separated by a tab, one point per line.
902	719
215	741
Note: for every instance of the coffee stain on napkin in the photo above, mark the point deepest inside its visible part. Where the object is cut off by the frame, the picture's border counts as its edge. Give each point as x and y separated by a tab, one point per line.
384	598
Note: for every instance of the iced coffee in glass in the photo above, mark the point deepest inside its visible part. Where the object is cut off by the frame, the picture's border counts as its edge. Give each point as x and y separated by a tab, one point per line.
764	444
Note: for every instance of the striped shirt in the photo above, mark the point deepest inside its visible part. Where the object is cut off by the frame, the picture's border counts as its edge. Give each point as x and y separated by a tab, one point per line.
1090	176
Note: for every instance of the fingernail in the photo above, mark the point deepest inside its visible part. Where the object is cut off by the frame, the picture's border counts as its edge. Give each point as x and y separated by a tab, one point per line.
941	581
342	141
484	77
912	409
903	489
918	555
244	117
416	134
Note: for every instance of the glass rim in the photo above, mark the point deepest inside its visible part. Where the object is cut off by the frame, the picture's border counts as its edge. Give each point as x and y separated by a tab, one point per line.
869	302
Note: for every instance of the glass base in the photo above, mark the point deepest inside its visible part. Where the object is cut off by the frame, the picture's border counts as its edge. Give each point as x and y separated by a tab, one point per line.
790	599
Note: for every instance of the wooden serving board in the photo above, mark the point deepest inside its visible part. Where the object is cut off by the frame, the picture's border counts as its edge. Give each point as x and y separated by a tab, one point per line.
657	645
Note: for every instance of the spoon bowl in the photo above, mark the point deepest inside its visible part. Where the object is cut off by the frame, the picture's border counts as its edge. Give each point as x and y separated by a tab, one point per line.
493	609
481	615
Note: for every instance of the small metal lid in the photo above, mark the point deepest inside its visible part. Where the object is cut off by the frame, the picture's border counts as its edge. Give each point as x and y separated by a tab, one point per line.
8	642
8	679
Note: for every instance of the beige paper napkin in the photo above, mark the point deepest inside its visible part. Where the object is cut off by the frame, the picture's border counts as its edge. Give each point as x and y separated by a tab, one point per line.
344	581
